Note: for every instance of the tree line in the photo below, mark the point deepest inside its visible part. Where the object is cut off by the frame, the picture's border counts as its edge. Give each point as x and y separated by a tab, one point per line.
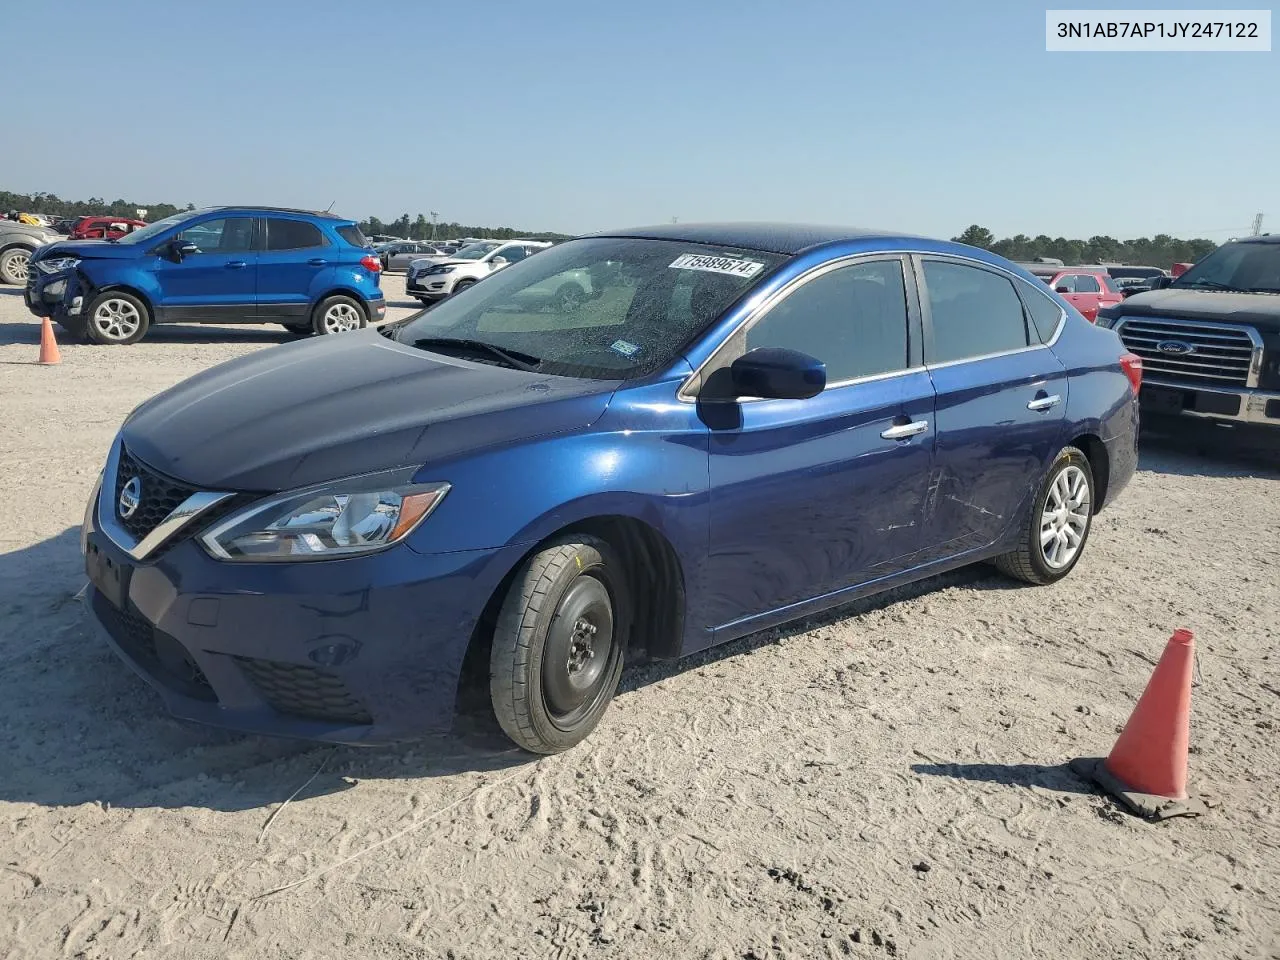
55	206
423	229
1161	250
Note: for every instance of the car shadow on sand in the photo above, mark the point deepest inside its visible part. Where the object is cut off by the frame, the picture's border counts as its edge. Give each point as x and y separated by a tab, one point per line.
28	331
1189	448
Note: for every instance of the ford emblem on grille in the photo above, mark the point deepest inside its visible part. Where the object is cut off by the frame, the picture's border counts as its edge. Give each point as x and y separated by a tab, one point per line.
130	497
1178	347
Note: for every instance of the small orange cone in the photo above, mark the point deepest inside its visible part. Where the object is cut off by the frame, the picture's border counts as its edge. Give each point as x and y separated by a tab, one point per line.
48	344
1147	767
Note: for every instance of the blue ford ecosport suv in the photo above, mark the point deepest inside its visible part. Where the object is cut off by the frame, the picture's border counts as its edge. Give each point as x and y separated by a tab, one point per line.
735	426
311	272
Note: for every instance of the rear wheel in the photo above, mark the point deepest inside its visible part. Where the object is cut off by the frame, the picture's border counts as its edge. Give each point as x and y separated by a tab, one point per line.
559	645
116	318
15	265
338	314
1060	522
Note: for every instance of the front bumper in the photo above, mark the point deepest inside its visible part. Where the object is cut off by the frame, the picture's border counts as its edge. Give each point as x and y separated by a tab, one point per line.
1227	404
53	295
360	651
430	286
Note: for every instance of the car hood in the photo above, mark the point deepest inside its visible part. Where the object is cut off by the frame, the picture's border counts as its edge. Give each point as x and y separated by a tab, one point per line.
90	249
1261	310
342	405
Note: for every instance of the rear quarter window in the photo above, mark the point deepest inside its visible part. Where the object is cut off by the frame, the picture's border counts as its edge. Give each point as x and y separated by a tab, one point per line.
351	233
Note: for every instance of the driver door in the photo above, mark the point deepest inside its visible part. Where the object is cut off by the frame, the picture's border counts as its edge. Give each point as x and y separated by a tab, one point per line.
813	496
219	282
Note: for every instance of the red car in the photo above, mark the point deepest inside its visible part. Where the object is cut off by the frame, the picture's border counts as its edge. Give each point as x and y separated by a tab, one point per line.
1085	288
104	228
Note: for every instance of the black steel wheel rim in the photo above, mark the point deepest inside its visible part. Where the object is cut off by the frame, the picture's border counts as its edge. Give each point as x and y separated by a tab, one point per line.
579	653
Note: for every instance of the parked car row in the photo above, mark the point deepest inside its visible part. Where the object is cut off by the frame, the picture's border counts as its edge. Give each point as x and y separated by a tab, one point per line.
435	278
310	272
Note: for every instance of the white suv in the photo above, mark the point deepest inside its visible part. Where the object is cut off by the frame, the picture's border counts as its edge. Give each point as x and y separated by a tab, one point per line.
439	278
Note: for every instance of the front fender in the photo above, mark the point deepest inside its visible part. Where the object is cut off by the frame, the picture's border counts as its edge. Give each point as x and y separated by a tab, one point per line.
108	274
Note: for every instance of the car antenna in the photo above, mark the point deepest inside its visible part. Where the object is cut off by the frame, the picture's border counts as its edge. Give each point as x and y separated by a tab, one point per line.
329	207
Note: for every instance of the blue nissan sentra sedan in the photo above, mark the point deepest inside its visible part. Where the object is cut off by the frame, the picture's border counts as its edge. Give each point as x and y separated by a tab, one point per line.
631	445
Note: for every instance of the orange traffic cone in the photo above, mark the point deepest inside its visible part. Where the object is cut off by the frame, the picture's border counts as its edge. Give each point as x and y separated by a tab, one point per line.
1147	767
48	344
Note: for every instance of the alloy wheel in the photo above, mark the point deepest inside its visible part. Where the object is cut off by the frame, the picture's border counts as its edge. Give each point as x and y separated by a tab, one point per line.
1065	517
20	267
340	318
116	320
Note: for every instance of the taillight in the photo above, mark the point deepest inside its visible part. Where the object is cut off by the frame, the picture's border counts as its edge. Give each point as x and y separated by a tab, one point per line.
371	263
1131	364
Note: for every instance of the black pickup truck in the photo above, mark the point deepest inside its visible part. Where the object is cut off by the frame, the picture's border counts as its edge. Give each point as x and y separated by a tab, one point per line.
1210	339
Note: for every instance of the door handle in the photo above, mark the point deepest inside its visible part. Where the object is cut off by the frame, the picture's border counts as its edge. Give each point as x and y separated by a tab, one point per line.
236	264
317	261
903	431
1044	403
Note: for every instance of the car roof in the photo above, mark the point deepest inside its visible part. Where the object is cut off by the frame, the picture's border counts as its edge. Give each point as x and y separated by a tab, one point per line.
785	238
323	214
1264	238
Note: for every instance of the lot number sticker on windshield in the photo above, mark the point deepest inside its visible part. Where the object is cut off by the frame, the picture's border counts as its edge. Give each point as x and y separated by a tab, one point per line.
735	268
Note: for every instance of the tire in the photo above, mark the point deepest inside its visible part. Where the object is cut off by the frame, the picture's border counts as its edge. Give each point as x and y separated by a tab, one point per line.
462	285
15	264
562	603
1069	482
338	314
116	318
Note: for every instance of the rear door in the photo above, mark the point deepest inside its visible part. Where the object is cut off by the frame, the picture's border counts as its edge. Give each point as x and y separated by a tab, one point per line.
811	496
294	254
218	282
1001	402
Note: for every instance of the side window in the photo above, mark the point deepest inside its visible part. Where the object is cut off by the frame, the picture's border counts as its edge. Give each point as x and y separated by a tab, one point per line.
1045	312
1087	283
230	235
1066	284
512	254
853	319
292	235
975	312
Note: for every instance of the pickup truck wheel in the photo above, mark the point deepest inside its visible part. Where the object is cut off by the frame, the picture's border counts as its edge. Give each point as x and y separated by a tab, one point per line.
116	318
559	645
15	265
338	314
462	285
1060	522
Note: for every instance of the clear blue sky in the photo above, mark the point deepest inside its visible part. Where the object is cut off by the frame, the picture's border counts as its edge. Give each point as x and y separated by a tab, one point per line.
577	115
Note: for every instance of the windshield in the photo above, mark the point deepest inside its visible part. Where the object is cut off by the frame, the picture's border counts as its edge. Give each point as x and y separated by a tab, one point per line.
143	234
475	251
604	308
1246	267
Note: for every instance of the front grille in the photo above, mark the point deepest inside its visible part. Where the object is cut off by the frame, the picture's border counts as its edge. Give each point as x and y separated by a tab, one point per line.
160	495
1221	355
303	691
156	652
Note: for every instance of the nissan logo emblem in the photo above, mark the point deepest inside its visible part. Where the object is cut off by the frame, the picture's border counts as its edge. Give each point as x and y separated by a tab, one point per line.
130	497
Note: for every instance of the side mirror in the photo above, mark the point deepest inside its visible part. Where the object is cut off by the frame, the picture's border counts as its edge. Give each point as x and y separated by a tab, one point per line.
183	248
775	373
1159	283
497	262
1063	289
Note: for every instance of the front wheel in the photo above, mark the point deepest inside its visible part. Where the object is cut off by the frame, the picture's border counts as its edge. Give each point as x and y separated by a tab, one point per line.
338	314
116	318
462	285
559	645
15	265
1060	522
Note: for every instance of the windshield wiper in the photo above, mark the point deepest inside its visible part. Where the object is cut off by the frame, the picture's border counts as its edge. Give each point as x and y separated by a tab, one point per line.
1210	285
512	358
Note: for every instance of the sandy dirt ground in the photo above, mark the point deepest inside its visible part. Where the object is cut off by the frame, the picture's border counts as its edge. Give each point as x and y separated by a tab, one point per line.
887	781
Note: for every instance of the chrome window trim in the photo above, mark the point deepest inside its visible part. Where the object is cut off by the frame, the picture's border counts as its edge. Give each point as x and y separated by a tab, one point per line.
183	514
685	396
987	356
758	312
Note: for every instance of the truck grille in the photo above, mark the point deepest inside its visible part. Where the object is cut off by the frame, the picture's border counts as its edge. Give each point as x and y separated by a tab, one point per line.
1220	355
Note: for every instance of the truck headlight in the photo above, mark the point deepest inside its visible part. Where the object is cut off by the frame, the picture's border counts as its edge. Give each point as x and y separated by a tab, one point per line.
339	519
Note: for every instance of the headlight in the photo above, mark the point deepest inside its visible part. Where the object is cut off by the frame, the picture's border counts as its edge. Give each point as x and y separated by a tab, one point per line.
1105	320
57	265
438	270
339	519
